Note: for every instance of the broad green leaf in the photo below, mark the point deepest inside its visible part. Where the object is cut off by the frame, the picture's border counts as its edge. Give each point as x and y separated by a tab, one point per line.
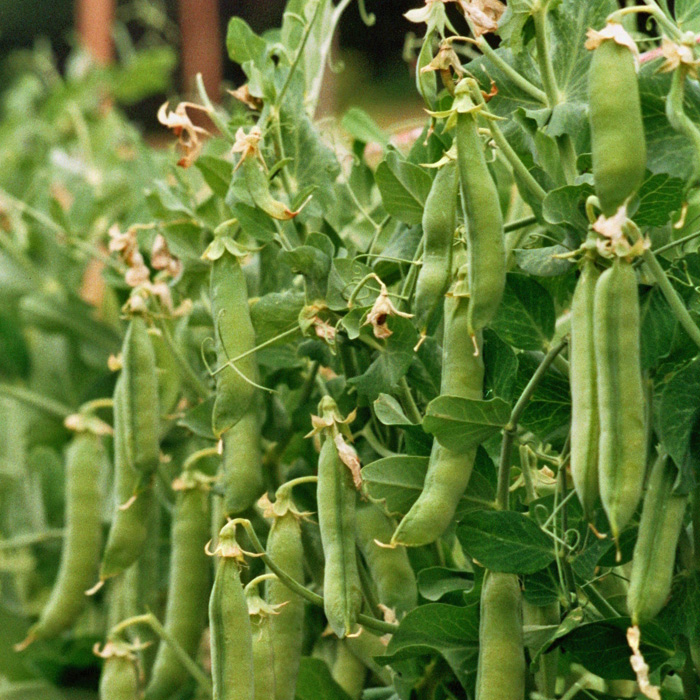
462	424
526	316
505	541
243	44
315	682
659	196
388	411
658	324
565	206
501	365
362	127
274	313
687	13
404	188
542	262
396	480
344	276
254	222
682	612
216	172
437	581
198	419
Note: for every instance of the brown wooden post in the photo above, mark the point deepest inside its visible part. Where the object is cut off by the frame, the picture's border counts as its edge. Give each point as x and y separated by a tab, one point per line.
94	20
201	44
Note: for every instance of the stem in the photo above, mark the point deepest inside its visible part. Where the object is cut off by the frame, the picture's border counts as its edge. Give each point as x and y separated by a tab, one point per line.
42	403
520	223
544	58
197	456
303	591
672	297
680	241
599	603
151	621
258	580
510	429
567	153
679	120
188	374
366	583
29	540
659	15
516	78
219	123
408	402
289	485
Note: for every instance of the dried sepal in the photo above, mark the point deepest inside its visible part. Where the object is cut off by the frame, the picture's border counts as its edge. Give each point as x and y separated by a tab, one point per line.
188	134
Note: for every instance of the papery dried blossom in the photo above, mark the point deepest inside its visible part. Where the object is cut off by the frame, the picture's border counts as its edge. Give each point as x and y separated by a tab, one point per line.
163	259
348	456
247	144
242	94
380	312
188	134
614	31
677	55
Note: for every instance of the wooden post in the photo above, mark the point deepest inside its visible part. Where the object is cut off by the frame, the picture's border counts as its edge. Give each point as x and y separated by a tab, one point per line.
201	44
94	20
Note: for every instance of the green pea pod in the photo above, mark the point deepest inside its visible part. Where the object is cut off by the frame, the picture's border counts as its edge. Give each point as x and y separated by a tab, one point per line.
485	237
439	223
129	530
390	569
348	671
585	426
617	132
261	616
501	667
657	540
259	189
426	82
366	647
622	446
119	679
342	590
234	335
284	546
168	373
82	541
188	587
542	616
448	472
229	622
242	464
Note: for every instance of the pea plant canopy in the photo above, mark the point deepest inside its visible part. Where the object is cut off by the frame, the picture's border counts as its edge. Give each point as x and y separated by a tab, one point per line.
280	421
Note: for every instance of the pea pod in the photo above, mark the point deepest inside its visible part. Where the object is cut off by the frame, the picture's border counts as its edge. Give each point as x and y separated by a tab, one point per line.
231	634
80	555
119	679
234	334
188	587
242	464
284	546
439	223
129	530
342	591
390	569
261	615
140	397
622	446
348	671
501	666
657	540
617	132
585	426
448	472
485	237
366	647
167	371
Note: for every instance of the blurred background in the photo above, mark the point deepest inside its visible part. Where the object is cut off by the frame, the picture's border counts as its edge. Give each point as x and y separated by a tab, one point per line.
371	67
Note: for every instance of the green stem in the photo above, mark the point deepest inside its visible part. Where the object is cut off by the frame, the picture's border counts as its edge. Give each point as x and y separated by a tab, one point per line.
516	78
679	120
301	590
289	485
408	402
189	376
267	343
219	123
511	428
40	402
567	153
680	241
32	539
199	455
598	602
183	657
544	57
519	224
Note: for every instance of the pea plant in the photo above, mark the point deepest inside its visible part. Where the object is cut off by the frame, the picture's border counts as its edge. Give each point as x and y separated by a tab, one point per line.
306	425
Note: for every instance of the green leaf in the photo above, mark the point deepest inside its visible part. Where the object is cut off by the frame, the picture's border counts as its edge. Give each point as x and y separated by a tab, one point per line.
437	581
274	313
501	365
198	419
541	261
388	411
564	206
397	481
658	324
462	424
216	172
404	188
344	276
254	222
362	127
243	44
659	196
505	541
315	682
526	317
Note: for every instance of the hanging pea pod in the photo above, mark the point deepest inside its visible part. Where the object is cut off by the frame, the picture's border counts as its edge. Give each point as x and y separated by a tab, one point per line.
259	189
439	224
585	424
119	679
82	541
657	541
622	446
617	132
242	464
168	373
231	633
448	472
348	671
235	335
188	586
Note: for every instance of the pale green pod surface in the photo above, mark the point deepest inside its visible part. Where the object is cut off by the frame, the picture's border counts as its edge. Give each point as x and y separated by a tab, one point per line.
141	413
82	541
188	588
501	666
263	658
342	591
242	464
448	472
622	446
544	616
585	426
617	132
439	223
348	671
231	634
657	540
284	546
365	648
390	569
485	237
119	679
168	373
234	333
